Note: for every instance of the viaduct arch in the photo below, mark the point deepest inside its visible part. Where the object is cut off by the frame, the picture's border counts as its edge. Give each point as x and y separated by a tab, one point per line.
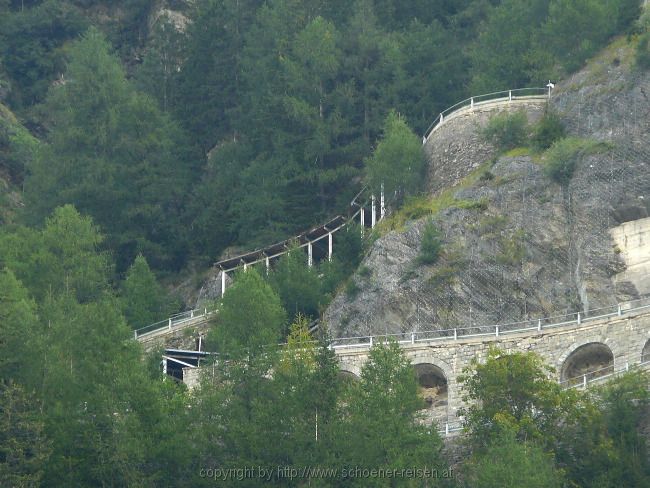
579	352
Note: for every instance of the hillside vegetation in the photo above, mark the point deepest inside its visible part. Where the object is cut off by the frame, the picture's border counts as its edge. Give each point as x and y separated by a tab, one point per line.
287	97
150	137
524	213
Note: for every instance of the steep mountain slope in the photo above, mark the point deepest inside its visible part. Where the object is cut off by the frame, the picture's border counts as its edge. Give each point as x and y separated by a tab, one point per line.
516	244
16	149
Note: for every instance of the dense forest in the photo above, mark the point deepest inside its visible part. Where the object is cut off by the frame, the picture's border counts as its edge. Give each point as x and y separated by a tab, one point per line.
251	120
141	146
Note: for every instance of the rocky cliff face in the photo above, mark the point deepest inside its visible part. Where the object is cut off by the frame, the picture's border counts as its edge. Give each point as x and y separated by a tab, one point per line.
520	246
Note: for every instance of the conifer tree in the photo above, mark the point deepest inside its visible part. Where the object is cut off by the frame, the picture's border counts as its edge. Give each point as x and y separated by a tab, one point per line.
398	160
113	155
24	448
144	300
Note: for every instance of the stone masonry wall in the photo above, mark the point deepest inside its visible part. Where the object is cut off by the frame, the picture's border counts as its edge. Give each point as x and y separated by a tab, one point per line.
626	337
456	148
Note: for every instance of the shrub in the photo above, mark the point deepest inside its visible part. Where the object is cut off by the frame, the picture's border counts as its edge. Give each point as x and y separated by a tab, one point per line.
563	156
507	131
431	244
352	290
548	130
642	55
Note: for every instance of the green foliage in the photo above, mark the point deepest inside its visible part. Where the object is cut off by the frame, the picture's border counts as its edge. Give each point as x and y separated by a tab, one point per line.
547	130
144	300
157	73
522	42
24	448
250	316
93	396
520	413
352	289
642	50
513	392
18	323
509	463
431	244
383	412
506	54
287	97
297	285
642	54
62	257
507	130
112	154
563	156
33	45
513	249
574	30
624	405
398	160
17	146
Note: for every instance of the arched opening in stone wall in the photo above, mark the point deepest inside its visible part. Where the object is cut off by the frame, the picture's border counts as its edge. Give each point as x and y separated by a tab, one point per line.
645	353
433	389
347	376
589	360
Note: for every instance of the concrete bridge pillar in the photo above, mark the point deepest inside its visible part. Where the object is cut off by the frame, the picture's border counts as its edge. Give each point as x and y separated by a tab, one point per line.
329	246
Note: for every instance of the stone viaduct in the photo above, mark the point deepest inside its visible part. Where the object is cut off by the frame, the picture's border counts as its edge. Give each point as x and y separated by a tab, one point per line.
581	352
582	347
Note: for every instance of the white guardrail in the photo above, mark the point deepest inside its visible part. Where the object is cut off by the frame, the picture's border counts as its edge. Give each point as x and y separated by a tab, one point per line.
472	102
502	96
498	330
174	322
443	335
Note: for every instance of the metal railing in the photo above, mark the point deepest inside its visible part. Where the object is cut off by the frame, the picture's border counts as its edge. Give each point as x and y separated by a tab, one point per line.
182	318
442	335
501	96
534	326
273	251
173	322
603	374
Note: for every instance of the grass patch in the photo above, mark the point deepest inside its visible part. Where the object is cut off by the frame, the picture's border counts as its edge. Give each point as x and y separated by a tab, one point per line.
517	152
418	207
561	159
513	249
506	130
365	271
490	225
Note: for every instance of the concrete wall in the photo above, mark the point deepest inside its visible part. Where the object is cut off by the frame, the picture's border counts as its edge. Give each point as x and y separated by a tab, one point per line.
633	241
182	336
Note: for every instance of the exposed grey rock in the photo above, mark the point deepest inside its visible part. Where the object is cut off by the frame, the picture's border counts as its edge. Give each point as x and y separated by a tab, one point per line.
535	249
211	289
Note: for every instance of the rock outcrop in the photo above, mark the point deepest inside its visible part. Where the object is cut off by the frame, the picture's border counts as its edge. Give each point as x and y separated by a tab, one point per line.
518	245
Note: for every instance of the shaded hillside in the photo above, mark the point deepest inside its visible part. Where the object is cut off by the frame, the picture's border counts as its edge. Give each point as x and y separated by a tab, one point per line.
516	244
17	148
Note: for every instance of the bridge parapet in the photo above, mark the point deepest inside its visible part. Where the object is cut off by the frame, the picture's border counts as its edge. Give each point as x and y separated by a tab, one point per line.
520	95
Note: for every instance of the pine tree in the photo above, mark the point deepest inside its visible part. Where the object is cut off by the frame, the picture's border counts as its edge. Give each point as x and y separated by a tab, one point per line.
113	155
24	448
19	330
383	413
297	284
144	300
398	160
250	317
